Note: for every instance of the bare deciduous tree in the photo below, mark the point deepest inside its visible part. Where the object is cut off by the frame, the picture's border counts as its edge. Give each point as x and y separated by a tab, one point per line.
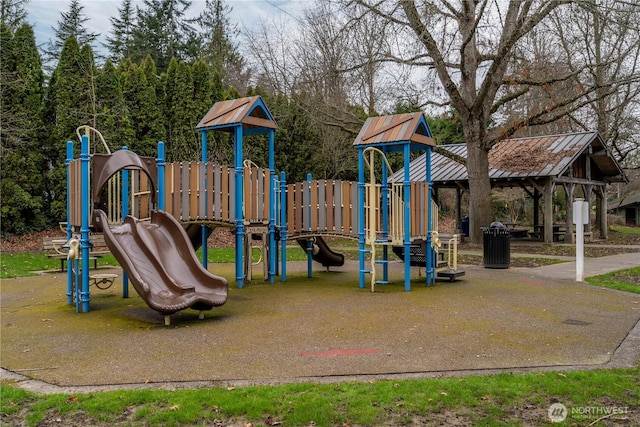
605	39
470	46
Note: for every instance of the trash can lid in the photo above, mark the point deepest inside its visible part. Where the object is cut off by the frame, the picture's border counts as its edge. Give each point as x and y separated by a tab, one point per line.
497	224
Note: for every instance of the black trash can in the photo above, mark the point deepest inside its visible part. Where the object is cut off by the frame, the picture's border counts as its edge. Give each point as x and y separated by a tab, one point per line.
497	246
465	226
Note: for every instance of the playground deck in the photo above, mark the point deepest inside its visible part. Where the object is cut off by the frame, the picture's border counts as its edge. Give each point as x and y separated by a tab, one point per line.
319	329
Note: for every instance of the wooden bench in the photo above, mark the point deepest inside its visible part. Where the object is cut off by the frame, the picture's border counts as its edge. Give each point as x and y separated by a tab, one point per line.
56	248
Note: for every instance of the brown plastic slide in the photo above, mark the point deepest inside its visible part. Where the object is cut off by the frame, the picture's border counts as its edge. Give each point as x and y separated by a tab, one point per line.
161	263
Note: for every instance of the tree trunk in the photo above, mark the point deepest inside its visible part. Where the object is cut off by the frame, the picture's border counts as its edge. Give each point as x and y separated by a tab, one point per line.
480	206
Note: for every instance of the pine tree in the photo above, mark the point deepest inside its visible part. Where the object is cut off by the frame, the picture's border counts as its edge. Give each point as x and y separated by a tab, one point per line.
163	31
12	13
217	32
120	44
71	23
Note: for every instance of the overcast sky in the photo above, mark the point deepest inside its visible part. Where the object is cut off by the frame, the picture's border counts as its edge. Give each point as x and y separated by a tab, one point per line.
44	14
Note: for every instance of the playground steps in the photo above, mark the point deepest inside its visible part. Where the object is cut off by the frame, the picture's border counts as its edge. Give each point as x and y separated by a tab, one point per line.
451	274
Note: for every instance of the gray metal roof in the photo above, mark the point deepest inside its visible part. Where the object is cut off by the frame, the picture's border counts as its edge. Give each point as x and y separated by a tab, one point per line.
630	200
521	158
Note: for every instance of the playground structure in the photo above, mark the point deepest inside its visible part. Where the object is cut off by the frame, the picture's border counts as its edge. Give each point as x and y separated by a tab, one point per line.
261	207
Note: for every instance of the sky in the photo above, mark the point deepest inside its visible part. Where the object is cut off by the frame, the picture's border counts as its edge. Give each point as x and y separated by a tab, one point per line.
44	14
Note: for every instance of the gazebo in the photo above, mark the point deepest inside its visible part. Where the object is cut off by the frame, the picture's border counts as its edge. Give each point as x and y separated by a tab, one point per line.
539	165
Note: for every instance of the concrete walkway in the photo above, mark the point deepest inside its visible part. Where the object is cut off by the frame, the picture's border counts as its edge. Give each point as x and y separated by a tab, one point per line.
592	266
322	329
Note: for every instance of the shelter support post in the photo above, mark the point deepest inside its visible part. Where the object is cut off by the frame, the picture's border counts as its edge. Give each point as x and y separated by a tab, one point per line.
569	236
601	212
548	210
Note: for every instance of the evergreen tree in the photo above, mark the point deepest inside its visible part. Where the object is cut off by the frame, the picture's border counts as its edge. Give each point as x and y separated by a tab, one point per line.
447	128
217	87
163	31
297	138
149	69
144	111
7	71
202	89
113	119
183	143
121	41
13	13
21	162
71	103
217	32
71	23
88	75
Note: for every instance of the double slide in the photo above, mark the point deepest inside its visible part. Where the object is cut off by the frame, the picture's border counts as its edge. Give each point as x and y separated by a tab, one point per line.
161	264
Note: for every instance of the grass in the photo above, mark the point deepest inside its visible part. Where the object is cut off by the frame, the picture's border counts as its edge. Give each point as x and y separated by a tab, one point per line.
627	230
501	399
623	280
20	264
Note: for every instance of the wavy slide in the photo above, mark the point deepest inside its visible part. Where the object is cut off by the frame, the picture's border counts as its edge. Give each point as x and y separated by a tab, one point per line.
322	253
161	264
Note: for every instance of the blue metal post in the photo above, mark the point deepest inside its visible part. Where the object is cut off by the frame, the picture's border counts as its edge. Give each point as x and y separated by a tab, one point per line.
161	163
239	189
361	200
283	226
431	256
407	218
272	210
204	235
70	278
85	201
125	212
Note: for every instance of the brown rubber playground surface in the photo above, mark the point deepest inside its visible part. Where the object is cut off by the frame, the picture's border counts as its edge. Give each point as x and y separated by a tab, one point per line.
323	328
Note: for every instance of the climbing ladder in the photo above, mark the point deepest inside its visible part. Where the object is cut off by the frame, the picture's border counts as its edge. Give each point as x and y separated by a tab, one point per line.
384	220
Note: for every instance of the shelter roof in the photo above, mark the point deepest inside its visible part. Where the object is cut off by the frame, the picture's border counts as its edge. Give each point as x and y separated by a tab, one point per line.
409	128
512	160
249	112
630	200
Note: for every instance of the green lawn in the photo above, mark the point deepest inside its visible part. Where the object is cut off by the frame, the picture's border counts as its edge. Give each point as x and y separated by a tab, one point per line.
25	263
624	280
501	399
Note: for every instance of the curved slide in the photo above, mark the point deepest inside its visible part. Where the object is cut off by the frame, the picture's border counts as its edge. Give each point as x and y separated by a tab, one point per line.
322	253
194	231
161	264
